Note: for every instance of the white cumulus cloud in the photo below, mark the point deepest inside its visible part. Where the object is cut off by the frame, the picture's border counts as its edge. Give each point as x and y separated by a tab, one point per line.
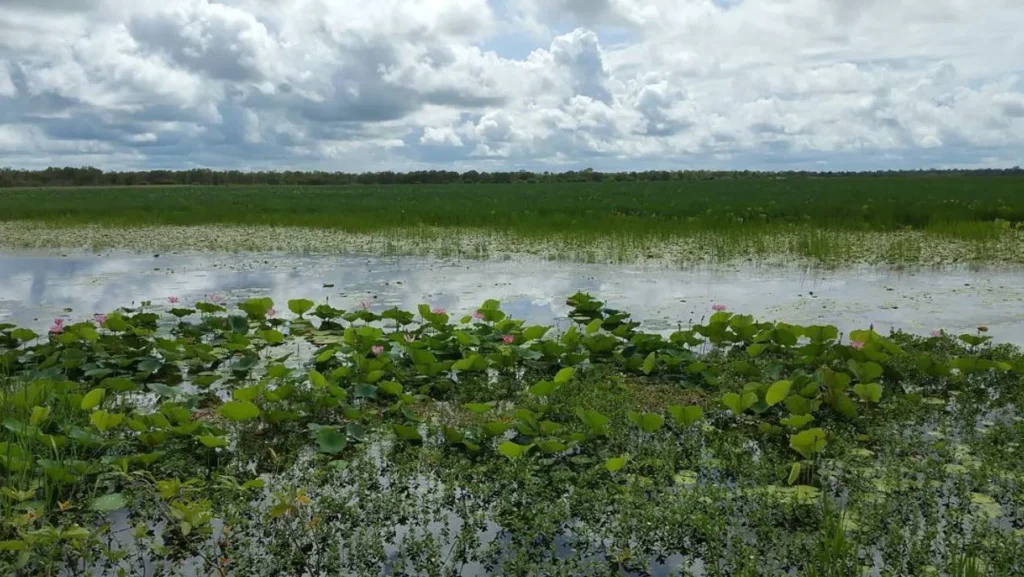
508	84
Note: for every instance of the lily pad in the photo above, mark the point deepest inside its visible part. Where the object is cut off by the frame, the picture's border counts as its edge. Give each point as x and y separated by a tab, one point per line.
109	502
986	505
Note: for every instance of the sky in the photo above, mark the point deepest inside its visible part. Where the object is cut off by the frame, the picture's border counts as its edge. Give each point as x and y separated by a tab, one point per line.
356	85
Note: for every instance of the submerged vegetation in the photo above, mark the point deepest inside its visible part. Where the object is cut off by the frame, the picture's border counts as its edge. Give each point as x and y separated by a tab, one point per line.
210	439
818	248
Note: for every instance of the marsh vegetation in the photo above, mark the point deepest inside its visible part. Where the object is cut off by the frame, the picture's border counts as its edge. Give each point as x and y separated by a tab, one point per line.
239	438
930	221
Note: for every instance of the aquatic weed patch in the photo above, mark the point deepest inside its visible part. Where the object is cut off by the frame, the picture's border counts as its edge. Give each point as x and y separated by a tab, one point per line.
772	247
251	441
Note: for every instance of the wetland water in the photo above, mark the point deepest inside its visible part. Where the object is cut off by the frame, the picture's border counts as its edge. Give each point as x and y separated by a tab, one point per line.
35	287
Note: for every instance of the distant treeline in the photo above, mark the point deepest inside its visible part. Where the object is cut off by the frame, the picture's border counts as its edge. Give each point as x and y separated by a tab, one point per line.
89	176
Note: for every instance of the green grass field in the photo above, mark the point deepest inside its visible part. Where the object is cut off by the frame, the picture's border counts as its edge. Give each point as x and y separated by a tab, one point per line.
901	220
962	206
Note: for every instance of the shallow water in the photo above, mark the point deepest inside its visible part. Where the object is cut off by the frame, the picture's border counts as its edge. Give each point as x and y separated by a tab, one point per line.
37	286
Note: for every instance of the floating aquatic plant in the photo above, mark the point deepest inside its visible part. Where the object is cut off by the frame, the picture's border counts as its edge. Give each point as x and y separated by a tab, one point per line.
263	438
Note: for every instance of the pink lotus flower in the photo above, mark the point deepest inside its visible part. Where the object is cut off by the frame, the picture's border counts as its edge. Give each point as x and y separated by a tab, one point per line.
377	350
439	311
172	300
478	315
857	344
272	313
937	333
718	308
508	339
364	305
215	298
100	319
58	326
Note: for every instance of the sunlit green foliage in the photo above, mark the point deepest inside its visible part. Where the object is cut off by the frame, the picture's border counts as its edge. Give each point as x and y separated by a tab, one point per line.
247	444
964	206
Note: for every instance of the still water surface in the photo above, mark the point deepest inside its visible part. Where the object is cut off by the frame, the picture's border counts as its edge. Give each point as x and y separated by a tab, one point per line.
35	287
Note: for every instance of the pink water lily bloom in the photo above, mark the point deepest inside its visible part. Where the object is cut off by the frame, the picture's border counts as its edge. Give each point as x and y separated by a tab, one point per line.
937	333
718	308
100	319
439	311
58	326
215	298
364	305
508	339
272	313
377	350
857	344
172	300
478	315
